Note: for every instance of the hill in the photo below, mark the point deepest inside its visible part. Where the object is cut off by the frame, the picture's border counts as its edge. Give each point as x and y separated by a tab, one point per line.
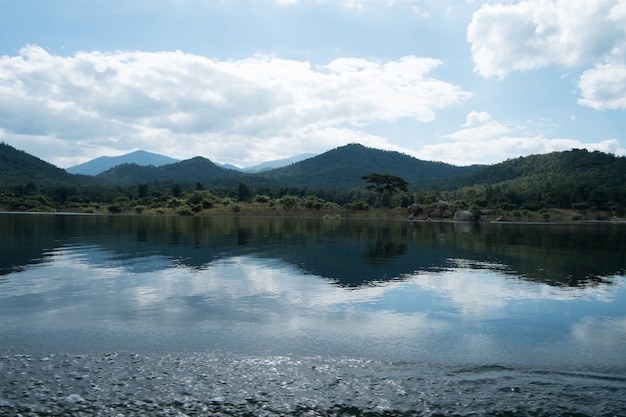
19	167
601	167
575	179
572	179
103	163
189	171
343	167
340	168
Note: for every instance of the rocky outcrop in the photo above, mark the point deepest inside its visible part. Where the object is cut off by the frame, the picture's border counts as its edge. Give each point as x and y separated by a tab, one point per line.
441	210
415	209
463	216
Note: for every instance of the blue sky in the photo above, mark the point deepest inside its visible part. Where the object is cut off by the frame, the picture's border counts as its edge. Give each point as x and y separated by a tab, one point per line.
247	81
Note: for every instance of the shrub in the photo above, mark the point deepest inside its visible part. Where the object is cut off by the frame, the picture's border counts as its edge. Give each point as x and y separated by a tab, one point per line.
115	208
184	211
261	199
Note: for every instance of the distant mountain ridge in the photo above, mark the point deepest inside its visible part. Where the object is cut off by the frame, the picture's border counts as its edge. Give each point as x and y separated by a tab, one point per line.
555	179
189	171
104	163
143	158
338	168
279	163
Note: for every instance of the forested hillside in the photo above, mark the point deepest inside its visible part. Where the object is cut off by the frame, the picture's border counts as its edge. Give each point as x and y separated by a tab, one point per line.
591	183
573	179
189	171
343	167
20	168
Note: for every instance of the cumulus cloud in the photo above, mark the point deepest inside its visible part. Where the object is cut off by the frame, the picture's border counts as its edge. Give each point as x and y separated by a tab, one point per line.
484	140
233	111
533	34
604	87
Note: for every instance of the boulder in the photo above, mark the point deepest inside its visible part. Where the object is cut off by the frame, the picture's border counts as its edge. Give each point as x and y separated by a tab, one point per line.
463	216
435	214
443	205
415	209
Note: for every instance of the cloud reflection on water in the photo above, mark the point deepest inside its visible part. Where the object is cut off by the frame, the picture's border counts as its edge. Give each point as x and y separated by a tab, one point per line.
444	295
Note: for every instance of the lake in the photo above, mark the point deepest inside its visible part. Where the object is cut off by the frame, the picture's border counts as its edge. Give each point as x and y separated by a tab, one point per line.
150	315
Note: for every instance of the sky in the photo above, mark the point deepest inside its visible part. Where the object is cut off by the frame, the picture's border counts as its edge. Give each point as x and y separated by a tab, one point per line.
247	81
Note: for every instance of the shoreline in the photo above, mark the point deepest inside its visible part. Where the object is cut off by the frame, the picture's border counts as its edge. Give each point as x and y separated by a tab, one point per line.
389	217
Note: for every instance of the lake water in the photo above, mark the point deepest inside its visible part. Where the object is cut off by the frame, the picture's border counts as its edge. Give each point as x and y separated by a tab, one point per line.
139	315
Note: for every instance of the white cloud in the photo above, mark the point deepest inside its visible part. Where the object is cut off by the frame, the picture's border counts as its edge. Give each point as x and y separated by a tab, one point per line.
235	111
604	87
484	140
479	126
533	34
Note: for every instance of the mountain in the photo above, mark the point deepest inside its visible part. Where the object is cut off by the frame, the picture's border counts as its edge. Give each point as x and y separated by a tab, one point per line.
559	179
339	168
279	163
189	171
103	163
601	167
343	167
19	167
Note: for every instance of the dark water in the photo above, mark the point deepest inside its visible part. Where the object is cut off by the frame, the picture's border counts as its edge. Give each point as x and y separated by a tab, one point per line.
114	315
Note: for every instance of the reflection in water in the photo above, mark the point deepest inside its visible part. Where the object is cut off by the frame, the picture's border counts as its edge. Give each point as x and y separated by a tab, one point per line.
430	282
565	255
483	318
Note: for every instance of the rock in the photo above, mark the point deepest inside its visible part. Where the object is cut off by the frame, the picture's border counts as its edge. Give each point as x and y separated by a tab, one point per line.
415	209
443	205
463	216
74	398
435	214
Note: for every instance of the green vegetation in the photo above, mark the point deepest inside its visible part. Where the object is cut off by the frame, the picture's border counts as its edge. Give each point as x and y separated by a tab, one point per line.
385	184
351	181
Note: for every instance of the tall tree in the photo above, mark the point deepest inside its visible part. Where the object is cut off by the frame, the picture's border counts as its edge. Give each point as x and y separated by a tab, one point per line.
385	184
243	193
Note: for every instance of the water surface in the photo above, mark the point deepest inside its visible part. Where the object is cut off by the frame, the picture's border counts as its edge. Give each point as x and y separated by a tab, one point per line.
134	314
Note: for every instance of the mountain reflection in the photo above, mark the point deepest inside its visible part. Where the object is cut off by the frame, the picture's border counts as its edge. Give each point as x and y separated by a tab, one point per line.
348	253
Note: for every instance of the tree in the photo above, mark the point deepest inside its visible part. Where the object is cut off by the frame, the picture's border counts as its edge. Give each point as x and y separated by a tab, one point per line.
177	190
289	202
142	190
385	184
243	193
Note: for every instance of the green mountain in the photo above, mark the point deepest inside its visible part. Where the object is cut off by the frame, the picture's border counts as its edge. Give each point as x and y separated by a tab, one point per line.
598	166
340	168
343	167
571	179
103	163
19	167
189	171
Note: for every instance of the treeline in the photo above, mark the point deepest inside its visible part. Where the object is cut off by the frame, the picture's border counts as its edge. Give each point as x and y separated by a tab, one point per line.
517	196
577	179
182	198
591	183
